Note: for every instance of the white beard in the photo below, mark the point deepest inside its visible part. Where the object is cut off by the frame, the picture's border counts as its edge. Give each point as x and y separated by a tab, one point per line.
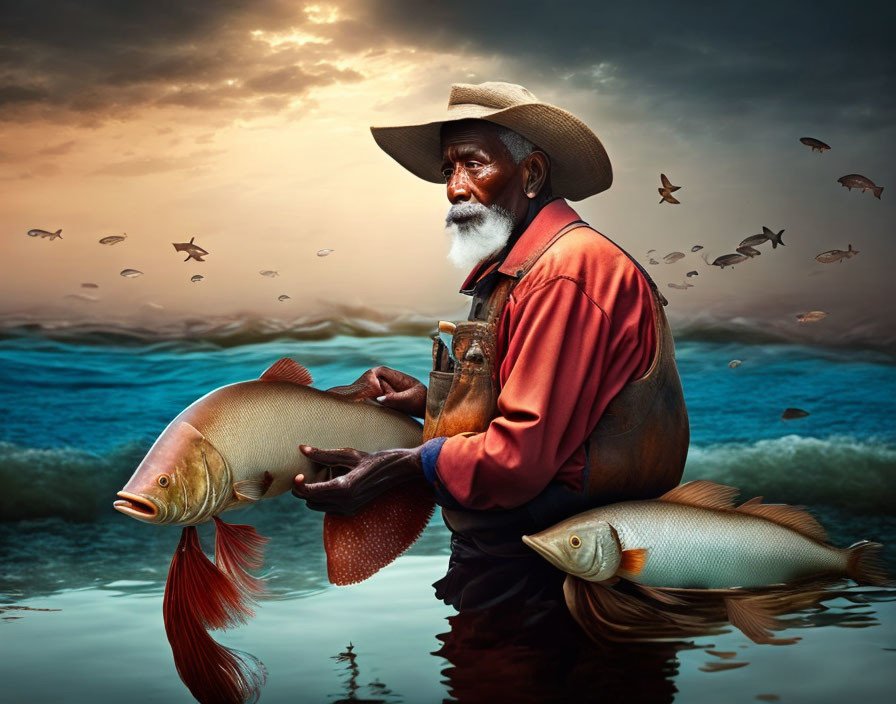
476	233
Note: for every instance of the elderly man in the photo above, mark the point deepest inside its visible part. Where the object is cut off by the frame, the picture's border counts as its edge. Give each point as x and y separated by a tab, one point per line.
560	392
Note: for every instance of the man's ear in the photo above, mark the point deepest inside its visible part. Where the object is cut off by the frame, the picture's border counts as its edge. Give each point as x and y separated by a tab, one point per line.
535	173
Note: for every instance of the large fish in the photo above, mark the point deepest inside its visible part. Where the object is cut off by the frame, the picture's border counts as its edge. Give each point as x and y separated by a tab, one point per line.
231	448
851	181
695	558
693	537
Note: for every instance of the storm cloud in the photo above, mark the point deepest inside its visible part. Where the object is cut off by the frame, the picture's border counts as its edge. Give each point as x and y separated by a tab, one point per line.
806	62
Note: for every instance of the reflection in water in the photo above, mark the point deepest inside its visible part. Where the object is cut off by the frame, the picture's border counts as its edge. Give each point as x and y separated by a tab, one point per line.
349	657
524	633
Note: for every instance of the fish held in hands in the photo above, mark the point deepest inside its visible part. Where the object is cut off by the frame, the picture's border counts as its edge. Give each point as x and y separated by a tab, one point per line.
194	251
231	448
693	537
851	181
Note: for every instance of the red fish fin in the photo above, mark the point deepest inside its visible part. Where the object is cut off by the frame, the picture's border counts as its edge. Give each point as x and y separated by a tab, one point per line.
199	596
755	621
253	489
237	549
195	582
864	563
359	546
288	370
632	562
702	493
793	517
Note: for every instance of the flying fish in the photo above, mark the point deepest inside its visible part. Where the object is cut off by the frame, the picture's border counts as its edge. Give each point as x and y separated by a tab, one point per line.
851	181
816	144
194	251
46	234
836	255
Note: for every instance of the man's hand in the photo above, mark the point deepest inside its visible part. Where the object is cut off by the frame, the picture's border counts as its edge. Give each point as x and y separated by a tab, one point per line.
390	387
362	477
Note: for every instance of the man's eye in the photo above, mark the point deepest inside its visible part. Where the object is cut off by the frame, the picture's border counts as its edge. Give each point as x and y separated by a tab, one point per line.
447	173
473	165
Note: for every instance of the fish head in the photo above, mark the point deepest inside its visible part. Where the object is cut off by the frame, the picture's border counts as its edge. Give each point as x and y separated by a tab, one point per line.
586	549
182	479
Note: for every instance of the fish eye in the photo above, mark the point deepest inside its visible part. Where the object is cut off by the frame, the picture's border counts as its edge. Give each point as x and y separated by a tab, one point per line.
575	541
164	480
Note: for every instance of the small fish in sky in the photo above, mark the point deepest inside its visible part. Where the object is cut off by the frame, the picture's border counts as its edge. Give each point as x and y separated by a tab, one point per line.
131	273
153	306
764	236
816	144
270	273
734	363
194	251
82	297
691	273
753	240
681	287
729	260
44	233
748	251
114	239
791	413
282	298
851	181
650	251
89	285
197	278
324	252
673	257
666	190
696	247
813	316
836	255
653	261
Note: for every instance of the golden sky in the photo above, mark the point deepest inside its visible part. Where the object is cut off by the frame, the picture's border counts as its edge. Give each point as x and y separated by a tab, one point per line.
246	125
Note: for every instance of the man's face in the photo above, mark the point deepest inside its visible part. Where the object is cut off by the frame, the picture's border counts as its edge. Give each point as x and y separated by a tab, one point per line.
479	169
485	187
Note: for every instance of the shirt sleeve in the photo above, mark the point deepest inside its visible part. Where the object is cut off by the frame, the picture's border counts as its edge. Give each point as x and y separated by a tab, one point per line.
557	349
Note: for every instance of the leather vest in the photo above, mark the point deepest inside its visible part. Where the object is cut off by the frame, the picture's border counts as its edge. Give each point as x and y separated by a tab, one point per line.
636	451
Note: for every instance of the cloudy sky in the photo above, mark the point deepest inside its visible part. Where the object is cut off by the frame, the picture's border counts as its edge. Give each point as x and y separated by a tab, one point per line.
245	124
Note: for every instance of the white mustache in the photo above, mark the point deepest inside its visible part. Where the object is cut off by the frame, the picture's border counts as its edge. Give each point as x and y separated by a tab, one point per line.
477	232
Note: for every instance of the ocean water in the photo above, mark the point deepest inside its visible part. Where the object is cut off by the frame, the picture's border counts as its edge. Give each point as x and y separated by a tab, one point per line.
81	585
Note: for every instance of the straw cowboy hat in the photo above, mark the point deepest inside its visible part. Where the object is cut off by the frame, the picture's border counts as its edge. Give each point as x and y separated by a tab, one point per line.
580	166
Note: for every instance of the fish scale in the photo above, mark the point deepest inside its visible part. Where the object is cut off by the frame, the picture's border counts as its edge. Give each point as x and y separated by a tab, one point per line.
692	547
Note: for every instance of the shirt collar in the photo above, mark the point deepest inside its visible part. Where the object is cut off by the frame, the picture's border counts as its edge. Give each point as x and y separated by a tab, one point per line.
552	218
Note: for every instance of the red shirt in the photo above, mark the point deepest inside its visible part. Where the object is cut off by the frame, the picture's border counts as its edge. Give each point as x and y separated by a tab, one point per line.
576	329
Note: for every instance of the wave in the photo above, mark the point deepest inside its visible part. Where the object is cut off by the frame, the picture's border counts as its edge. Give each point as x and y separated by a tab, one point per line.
360	321
850	475
855	476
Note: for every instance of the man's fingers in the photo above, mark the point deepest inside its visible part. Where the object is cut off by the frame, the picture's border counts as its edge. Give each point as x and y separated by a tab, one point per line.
344	456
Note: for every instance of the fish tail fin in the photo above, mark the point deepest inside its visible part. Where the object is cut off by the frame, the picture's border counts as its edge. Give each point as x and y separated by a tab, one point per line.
237	549
199	596
359	546
58	232
877	191
864	563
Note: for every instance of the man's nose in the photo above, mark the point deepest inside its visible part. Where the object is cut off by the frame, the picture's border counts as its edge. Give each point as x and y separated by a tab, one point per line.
458	187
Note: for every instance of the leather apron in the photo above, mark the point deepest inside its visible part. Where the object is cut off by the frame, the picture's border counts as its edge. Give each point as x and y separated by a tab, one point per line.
636	451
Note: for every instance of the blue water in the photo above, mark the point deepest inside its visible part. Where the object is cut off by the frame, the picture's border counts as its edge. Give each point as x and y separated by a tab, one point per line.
77	414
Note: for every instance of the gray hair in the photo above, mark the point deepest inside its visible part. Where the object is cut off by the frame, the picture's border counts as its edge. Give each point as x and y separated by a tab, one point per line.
518	146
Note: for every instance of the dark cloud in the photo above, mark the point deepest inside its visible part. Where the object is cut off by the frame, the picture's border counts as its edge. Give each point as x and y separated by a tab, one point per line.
106	58
806	60
810	62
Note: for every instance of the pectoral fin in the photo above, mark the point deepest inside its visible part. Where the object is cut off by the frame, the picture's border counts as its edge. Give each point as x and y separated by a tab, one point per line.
253	489
755	621
359	546
632	562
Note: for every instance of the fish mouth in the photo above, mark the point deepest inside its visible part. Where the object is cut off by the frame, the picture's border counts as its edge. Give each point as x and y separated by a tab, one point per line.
136	506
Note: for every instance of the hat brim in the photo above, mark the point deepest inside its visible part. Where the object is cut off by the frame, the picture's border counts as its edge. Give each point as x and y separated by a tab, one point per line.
580	166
